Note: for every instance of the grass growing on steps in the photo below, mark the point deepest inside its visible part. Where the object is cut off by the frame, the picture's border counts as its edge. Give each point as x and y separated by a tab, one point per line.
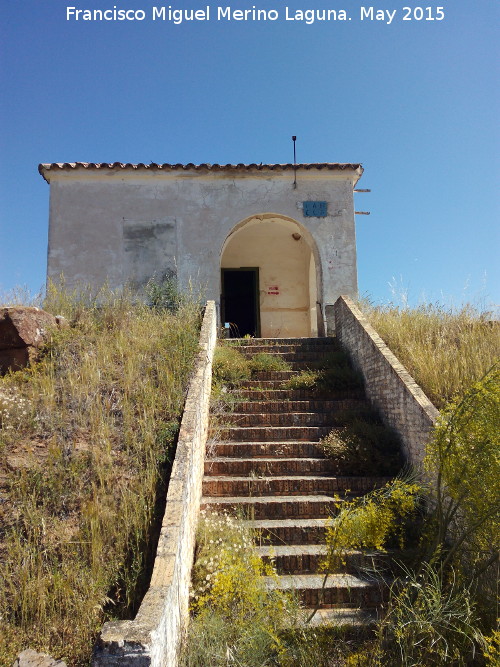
305	379
86	439
333	372
230	368
444	349
263	361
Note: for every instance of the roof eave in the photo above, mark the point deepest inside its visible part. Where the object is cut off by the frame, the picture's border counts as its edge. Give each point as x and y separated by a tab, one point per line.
45	168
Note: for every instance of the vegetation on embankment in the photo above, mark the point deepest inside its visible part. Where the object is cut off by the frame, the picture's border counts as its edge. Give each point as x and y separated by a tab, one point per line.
443	608
86	441
446	350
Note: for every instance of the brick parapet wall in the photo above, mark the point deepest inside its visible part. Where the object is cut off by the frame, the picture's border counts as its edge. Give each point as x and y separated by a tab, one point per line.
153	637
401	402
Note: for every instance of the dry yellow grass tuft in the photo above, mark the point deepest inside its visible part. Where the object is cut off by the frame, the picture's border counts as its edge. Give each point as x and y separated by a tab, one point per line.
445	350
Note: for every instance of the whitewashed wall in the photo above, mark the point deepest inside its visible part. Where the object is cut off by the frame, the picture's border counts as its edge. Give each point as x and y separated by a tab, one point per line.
118	225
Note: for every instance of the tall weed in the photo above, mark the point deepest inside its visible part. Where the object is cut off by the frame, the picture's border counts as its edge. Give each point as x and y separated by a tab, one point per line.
430	621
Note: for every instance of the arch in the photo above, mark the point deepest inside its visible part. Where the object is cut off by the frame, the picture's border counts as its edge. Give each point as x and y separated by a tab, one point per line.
277	258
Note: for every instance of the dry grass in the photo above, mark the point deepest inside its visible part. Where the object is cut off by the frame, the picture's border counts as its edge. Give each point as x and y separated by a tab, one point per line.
85	442
445	350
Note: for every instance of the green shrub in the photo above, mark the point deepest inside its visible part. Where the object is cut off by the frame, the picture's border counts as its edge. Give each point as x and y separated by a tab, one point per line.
363	447
440	610
164	294
229	366
375	520
263	361
464	458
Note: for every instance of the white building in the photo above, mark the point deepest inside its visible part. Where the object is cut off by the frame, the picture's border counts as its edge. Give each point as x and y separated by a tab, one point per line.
273	244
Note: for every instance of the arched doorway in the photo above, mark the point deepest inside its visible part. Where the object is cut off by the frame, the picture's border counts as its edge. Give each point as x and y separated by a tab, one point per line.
270	279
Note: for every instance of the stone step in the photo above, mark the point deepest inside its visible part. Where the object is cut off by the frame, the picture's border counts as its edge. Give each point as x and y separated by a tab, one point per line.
341	617
293	558
307	559
260	376
295	485
268	433
293	353
311	362
311	405
289	449
341	590
261	385
266	466
289	531
242	419
275	507
257	393
274	342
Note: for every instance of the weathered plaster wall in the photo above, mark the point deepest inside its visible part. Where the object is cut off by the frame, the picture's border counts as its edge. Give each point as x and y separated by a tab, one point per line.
119	225
283	264
153	637
402	403
313	296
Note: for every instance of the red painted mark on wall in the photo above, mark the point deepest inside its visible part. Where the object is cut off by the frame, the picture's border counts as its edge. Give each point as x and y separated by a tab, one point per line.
273	289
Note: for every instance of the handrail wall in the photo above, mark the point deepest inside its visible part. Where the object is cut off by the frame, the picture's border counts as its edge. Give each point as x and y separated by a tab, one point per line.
401	402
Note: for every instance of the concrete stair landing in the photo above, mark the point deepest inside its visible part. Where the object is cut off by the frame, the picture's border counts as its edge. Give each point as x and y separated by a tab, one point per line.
265	463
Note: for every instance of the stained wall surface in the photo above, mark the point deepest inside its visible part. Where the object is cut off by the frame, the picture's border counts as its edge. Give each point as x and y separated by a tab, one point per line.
124	225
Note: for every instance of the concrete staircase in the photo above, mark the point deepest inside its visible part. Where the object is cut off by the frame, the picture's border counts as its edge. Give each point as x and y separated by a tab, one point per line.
266	463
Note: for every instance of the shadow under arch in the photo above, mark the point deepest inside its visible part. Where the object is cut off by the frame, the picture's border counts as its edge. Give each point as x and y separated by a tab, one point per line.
285	261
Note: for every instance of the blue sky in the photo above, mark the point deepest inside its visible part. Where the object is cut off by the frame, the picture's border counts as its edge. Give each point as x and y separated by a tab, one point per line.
416	102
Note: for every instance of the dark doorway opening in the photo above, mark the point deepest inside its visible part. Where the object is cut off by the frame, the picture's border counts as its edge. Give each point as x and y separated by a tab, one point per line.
240	301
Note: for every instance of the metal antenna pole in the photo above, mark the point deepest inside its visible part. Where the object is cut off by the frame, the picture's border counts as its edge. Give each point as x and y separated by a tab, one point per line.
294	139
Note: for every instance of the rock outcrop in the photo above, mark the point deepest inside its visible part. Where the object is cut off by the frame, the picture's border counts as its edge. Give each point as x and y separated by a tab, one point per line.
23	332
